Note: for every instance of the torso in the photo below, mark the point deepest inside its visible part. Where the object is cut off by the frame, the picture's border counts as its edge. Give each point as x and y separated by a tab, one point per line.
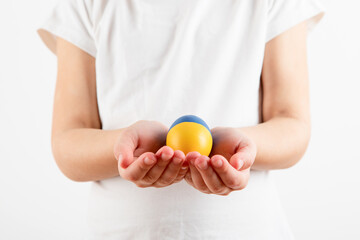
159	60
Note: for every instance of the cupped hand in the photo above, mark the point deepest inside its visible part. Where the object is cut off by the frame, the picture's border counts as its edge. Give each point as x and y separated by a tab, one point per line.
144	159
227	168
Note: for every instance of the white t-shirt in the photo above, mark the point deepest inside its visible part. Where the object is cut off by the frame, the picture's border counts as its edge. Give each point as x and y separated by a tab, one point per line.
159	60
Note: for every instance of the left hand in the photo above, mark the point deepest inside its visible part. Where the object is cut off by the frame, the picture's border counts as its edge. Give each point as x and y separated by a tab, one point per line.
227	168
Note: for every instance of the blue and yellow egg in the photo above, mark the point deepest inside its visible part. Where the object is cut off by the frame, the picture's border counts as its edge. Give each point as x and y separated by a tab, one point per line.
190	133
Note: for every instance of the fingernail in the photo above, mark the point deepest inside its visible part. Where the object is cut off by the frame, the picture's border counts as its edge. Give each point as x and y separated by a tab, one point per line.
158	153
148	161
177	160
218	163
184	168
240	163
203	165
165	157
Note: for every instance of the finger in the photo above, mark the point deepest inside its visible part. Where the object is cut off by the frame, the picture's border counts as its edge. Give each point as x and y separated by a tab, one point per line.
195	175
182	173
210	177
125	146
244	156
228	174
191	156
139	168
172	170
163	155
188	179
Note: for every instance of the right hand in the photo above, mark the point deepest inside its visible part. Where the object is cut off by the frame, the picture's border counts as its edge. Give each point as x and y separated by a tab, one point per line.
137	161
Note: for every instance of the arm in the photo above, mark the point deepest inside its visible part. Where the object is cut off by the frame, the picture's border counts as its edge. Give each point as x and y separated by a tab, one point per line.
81	150
278	142
85	152
283	137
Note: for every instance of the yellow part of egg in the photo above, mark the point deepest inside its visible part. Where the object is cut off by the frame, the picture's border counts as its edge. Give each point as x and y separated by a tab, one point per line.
190	136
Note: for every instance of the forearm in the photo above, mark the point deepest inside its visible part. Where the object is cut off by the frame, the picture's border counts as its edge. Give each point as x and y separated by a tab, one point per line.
86	154
281	142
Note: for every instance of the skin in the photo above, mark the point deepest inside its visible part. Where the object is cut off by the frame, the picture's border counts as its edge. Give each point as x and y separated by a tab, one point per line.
137	153
143	158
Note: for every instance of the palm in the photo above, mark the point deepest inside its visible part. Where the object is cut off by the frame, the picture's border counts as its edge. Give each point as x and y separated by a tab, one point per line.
139	138
226	141
143	157
151	137
233	145
231	157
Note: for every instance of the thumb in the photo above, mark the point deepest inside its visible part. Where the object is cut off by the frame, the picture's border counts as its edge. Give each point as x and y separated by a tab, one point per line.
124	148
244	155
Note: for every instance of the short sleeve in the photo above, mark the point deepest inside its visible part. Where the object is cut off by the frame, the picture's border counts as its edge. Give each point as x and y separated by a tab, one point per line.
70	20
285	14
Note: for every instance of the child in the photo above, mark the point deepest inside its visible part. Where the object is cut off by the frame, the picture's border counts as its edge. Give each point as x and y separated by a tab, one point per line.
128	69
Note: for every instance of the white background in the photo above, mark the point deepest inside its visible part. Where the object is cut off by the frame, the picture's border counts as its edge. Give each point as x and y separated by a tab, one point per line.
321	194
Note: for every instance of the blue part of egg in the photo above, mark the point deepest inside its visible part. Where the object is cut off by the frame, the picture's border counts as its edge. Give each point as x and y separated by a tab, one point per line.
190	118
